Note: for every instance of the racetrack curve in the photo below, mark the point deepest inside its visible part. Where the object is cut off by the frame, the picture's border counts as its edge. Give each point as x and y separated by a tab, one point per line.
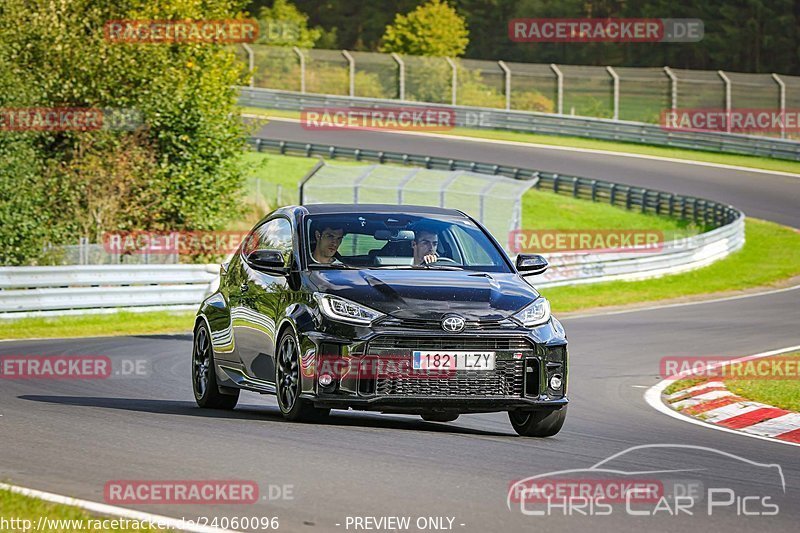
73	437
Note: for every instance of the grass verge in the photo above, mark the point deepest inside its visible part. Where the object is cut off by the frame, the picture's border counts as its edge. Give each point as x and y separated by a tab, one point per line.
681	384
24	513
592	144
781	393
122	323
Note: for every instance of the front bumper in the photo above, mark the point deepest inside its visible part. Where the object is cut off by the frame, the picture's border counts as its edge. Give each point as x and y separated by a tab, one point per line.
525	362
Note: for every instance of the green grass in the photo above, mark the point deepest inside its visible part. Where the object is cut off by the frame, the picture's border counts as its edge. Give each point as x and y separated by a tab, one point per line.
122	323
784	394
17	506
771	253
278	170
612	146
681	384
546	210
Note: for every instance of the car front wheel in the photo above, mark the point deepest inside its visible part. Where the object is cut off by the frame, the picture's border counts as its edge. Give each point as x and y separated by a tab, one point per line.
542	423
287	383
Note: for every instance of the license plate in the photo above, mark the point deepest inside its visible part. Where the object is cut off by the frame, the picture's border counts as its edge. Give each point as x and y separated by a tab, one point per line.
453	360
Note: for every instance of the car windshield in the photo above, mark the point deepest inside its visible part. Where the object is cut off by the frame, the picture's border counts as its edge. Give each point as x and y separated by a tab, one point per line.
400	241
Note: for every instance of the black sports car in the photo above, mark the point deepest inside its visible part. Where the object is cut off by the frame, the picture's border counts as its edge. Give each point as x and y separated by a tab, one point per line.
399	309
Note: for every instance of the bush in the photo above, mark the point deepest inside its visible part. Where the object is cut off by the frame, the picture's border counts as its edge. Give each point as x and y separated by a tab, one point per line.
532	101
433	29
178	171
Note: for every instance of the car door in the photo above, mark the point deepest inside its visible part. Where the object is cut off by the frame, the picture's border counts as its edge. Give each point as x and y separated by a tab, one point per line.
262	299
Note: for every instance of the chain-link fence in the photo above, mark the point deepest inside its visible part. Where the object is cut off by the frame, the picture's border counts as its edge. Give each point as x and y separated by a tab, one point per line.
86	253
624	93
494	200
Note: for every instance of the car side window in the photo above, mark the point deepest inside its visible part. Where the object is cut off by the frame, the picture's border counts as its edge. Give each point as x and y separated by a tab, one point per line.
273	235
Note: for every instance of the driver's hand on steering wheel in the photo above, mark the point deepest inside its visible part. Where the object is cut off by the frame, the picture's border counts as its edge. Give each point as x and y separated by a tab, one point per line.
430	258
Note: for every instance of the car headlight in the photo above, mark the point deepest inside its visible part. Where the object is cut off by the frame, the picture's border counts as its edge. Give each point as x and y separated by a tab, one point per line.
337	308
536	313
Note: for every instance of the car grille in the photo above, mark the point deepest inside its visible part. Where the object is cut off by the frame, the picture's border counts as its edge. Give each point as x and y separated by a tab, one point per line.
436	325
460	342
506	380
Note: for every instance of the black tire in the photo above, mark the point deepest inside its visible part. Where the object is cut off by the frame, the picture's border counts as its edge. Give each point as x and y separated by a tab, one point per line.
204	374
543	423
439	417
287	383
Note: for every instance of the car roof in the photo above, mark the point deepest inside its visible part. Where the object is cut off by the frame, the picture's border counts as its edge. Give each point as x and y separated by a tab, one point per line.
315	209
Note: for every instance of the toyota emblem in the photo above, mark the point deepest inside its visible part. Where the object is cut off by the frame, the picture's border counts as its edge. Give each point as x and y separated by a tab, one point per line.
453	324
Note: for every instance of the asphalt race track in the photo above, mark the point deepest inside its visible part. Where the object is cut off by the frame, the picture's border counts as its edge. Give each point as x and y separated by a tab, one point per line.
72	437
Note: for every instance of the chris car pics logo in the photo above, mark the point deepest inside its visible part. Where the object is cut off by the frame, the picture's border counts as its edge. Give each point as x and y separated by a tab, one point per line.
656	480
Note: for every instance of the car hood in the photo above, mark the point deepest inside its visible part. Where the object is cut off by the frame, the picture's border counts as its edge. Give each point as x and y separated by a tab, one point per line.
430	294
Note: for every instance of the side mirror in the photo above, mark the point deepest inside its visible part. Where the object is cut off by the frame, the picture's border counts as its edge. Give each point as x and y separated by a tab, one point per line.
267	260
531	264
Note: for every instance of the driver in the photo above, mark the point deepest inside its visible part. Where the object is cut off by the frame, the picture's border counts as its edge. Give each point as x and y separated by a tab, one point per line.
328	238
424	246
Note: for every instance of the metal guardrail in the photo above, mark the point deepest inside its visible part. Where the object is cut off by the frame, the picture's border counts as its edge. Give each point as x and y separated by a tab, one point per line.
674	257
59	290
530	122
46	289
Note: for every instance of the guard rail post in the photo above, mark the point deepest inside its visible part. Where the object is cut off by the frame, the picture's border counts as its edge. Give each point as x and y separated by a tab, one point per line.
781	102
401	76
728	102
302	59
559	87
507	76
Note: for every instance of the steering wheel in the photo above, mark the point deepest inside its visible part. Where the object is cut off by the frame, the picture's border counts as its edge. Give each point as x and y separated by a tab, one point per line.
441	259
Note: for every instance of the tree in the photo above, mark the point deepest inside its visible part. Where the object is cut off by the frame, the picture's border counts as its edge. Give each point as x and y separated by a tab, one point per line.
285	25
179	170
433	29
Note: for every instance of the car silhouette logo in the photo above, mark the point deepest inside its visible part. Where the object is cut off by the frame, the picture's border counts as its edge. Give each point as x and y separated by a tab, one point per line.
453	324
